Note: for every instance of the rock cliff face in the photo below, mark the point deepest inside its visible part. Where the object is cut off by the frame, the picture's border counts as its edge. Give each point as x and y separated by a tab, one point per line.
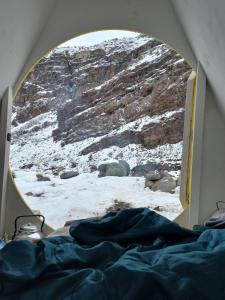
121	92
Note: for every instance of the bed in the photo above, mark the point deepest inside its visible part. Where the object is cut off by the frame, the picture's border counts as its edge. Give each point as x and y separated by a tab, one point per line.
131	254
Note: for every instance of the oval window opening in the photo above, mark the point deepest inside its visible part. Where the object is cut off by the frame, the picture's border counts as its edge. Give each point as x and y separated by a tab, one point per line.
97	126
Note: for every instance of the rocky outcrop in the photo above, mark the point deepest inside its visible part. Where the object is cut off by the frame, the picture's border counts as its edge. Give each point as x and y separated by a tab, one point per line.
166	132
128	96
121	92
67	74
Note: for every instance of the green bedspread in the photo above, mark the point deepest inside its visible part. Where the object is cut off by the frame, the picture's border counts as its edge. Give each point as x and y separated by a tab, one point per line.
132	254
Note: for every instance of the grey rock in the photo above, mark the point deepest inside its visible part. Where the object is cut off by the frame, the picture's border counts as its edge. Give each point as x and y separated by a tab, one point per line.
14	122
119	169
165	173
153	176
112	169
41	177
27	166
35	128
93	168
125	165
69	174
148	183
73	164
56	158
165	184
57	169
142	170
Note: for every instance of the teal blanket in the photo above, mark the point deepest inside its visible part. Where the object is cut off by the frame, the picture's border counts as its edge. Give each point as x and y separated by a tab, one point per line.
132	254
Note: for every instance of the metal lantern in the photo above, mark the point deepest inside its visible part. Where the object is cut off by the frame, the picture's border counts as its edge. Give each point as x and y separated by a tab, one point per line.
28	231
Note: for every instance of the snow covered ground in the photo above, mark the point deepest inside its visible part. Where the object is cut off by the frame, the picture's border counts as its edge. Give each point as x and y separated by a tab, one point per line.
87	195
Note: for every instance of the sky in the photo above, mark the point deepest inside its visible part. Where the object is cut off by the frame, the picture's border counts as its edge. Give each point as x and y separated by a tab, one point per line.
97	37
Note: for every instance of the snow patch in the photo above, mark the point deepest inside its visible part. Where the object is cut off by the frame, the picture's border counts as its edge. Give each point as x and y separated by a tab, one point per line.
155	54
138	124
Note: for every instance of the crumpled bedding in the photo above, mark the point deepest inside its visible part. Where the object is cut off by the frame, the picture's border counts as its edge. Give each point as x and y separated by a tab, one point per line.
132	254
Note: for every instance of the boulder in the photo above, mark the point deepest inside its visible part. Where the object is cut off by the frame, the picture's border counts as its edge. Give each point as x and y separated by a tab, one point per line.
119	169
165	184
148	183
165	173
27	166
73	164
93	168
143	170
125	165
14	122
57	169
163	168
158	208
29	194
41	177
69	174
153	176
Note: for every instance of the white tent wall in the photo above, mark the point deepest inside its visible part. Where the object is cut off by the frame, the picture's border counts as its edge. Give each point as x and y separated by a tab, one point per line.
40	25
5	125
203	23
212	173
21	23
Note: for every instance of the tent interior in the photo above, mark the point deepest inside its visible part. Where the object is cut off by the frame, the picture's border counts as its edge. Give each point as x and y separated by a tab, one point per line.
31	28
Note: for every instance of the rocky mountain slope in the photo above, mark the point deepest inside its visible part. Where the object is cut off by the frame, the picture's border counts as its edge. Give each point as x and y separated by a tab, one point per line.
123	98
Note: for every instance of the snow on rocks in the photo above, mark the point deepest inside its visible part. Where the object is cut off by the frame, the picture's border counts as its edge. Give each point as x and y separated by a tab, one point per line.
38	148
148	58
163	181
